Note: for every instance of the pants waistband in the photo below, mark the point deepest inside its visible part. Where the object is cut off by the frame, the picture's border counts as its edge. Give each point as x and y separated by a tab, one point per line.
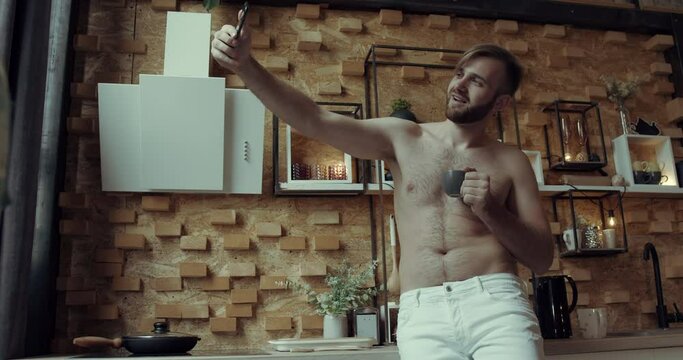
454	288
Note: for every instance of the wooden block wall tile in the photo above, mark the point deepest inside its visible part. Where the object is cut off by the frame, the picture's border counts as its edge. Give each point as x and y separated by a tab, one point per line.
278	323
260	40
124	46
555	265
126	284
554	31
103	312
194	242
311	322
69	200
450	56
70	283
272	282
325	217
235	242
660	227
583	299
293	243
663	88
674	109
573	52
413	72
678	152
312	269
390	17
352	68
268	229
87	43
122	216
307	11
534	118
242	269
660	68
74	227
330	88
113	3
596	92
189	269
505	27
615	37
239	310
578	274
107	269
165	5
517	47
91	151
223	217
555	228
234	81
438	21
673	271
557	61
168	311
84	91
81	126
641	216
244	296
168	284
545	98
199	311
226	324
309	41
675	133
350	25
385	51
109	256
216	283
129	241
648	307
322	243
617	297
163	229
276	64
78	298
659	42
156	203
665	215
254	20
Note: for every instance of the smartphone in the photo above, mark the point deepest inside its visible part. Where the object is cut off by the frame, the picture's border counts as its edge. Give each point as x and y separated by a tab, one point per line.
245	10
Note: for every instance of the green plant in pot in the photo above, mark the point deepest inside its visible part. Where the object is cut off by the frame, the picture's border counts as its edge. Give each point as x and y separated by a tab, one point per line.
348	291
401	109
210	4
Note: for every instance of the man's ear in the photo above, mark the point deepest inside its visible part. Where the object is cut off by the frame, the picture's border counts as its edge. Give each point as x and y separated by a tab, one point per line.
501	102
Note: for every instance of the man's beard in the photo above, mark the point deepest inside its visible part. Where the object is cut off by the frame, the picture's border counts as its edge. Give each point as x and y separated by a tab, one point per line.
471	114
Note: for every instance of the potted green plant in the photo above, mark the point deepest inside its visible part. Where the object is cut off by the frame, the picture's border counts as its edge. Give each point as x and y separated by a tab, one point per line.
347	291
210	4
401	109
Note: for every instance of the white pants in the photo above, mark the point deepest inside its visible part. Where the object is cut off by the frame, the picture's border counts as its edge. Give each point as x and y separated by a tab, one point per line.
483	318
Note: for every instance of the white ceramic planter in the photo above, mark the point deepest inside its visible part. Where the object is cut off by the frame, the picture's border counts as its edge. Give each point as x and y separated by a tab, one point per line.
335	326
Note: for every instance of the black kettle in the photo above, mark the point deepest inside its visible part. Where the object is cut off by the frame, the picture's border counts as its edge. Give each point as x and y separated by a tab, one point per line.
550	304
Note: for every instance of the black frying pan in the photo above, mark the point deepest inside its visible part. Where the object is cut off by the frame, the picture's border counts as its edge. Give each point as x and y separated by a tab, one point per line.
158	341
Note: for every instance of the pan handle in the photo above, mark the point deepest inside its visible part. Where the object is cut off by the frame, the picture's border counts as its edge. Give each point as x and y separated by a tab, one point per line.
96	341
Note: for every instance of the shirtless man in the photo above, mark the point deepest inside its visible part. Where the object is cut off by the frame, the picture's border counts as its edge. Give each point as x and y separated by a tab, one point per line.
461	299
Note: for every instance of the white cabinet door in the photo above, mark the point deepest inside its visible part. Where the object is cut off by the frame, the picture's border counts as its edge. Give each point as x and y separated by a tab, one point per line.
120	158
182	132
244	128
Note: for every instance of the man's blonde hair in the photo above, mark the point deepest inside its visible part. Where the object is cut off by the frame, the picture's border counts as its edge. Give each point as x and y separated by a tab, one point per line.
513	70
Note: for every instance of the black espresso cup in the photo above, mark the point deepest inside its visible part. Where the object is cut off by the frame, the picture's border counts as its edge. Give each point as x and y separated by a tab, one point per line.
451	181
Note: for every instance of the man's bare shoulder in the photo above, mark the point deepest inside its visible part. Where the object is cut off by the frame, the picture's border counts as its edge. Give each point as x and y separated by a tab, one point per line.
512	155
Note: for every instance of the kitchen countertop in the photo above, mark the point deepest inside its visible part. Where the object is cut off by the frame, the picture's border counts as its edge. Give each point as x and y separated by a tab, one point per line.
649	339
